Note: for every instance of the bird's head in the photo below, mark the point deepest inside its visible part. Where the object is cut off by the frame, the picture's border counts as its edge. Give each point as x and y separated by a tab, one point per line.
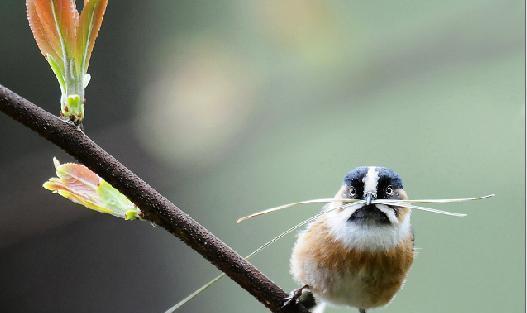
373	225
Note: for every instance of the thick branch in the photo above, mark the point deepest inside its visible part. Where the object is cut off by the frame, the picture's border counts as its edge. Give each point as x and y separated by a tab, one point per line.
155	207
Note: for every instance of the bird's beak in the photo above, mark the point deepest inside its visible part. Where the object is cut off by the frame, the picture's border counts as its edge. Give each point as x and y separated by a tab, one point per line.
369	197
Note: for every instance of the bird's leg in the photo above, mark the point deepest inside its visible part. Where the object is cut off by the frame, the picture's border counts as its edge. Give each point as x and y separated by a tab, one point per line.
362	310
301	296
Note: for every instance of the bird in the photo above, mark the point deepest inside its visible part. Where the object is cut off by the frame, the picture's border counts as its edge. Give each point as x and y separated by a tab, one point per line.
357	254
358	250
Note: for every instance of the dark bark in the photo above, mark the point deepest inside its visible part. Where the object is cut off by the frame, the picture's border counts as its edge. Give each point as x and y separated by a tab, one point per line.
154	206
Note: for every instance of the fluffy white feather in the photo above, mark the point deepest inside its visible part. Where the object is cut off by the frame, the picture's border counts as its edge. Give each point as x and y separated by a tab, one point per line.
368	237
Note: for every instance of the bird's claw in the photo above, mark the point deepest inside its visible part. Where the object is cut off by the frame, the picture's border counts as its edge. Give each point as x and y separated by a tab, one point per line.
300	296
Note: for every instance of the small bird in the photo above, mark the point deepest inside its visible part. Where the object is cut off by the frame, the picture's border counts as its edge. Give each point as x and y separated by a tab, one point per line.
357	254
357	251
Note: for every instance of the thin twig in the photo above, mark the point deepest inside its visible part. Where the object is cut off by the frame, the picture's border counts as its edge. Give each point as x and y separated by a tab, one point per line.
154	206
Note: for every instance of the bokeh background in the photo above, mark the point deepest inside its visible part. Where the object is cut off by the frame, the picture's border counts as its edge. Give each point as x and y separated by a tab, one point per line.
231	106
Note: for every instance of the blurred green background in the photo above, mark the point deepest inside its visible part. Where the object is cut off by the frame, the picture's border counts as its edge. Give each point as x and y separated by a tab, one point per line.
231	106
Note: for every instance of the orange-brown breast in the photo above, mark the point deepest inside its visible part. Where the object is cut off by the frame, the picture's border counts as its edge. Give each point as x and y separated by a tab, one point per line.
348	276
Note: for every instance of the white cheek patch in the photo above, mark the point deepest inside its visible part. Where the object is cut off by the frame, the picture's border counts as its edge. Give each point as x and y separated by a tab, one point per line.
370	180
388	212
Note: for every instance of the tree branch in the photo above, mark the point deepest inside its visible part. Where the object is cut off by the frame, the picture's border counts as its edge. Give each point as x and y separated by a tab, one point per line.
154	206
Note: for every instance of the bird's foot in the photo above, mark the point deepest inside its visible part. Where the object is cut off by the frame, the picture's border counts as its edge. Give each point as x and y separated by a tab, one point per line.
301	296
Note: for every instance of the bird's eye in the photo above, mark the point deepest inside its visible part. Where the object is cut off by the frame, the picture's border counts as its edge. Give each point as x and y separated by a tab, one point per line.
351	191
389	190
